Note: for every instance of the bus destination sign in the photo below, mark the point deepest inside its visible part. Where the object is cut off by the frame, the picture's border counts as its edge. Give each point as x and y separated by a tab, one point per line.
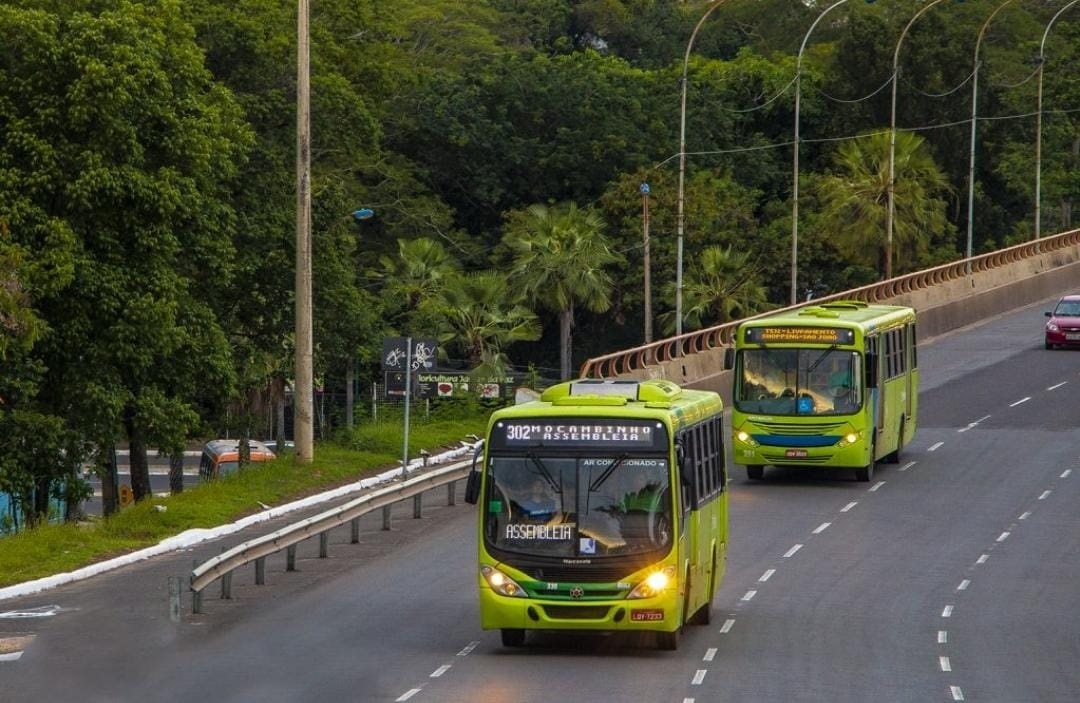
799	335
579	432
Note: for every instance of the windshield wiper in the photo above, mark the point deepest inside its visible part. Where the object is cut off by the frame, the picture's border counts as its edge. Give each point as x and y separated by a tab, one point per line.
821	358
544	471
607	472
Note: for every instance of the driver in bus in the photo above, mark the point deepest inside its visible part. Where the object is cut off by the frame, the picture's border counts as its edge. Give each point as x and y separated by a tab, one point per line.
840	389
539	504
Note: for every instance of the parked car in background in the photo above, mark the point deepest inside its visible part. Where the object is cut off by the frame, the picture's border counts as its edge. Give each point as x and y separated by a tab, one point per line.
221	457
1063	327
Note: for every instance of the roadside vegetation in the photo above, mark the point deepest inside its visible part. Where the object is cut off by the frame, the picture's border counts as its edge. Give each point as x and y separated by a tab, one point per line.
367	451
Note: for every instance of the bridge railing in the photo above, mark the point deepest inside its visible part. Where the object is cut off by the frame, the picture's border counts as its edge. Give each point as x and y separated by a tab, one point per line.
641	361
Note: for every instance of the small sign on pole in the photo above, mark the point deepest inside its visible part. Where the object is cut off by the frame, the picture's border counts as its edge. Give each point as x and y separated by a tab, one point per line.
406	355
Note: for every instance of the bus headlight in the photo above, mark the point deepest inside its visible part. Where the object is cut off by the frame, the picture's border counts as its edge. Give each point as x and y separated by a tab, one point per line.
847	440
654	584
744	437
501	583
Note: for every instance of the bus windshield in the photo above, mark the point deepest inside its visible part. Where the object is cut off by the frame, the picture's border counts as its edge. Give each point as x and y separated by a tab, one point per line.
578	506
808	381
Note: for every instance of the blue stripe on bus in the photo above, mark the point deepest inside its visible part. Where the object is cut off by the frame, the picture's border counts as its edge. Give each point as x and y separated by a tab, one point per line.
784	440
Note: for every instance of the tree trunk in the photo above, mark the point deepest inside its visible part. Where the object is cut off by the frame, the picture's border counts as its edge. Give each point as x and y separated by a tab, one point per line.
137	463
176	472
566	322
349	378
106	470
279	408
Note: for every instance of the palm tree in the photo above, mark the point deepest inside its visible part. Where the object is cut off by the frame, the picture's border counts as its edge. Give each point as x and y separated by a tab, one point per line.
559	257
720	286
417	273
855	199
478	312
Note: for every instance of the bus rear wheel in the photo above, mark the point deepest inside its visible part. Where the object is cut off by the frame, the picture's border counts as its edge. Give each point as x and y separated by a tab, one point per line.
513	636
755	473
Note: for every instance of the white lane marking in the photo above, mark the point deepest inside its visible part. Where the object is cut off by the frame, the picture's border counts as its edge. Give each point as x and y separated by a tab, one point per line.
1056	386
699	677
947	612
1065	473
749	595
1020	402
849	506
728	624
944	662
440	671
821	528
934	447
957	694
791	552
44	611
877	485
942	636
908	465
10	656
468	648
971	426
687	700
1045	495
982	559
407	695
963	585
1003	536
767	575
710	654
1025	516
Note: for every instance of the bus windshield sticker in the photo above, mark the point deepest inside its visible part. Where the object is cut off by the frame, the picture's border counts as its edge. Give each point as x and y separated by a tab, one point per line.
800	335
587	545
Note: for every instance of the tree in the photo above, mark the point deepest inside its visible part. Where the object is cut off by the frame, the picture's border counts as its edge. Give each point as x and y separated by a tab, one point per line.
127	150
854	201
720	286
559	256
481	316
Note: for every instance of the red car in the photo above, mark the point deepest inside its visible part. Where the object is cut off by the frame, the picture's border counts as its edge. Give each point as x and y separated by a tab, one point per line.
1063	327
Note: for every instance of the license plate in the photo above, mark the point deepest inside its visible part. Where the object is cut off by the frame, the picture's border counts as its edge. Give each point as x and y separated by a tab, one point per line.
796	453
1073	337
646	615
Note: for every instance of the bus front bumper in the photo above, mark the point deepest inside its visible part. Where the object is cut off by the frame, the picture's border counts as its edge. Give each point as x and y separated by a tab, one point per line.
652	614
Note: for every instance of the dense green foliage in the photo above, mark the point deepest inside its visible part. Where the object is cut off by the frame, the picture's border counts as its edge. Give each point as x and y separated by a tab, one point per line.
147	186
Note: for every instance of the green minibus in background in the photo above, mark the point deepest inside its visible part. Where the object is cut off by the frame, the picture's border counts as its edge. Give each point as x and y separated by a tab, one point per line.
832	385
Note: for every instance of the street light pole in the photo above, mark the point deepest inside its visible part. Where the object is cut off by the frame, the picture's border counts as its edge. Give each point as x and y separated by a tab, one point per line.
682	172
303	404
795	160
1038	123
645	255
974	121
890	210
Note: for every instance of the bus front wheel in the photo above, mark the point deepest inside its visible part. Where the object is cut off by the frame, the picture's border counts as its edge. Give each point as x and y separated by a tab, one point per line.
513	636
755	473
668	641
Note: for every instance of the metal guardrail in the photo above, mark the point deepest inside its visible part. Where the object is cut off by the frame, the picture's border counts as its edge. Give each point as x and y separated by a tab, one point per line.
256	550
627	362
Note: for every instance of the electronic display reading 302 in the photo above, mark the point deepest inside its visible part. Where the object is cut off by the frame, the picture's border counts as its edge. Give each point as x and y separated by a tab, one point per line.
799	335
593	433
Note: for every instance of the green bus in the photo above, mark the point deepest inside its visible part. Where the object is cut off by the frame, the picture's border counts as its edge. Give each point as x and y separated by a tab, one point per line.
603	507
834	384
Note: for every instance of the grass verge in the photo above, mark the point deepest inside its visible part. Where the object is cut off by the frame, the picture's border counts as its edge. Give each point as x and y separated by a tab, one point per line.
366	451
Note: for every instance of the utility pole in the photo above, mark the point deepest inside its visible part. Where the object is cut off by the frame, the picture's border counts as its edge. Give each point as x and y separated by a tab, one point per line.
302	399
645	251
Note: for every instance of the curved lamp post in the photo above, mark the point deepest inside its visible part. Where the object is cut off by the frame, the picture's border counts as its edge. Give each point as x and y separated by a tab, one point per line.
682	172
974	120
1038	123
795	158
890	210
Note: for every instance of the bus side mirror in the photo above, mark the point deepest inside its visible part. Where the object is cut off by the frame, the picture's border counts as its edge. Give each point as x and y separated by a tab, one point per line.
729	358
871	370
472	483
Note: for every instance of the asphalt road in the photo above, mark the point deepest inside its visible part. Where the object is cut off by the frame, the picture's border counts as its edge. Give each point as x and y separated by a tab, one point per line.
951	576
